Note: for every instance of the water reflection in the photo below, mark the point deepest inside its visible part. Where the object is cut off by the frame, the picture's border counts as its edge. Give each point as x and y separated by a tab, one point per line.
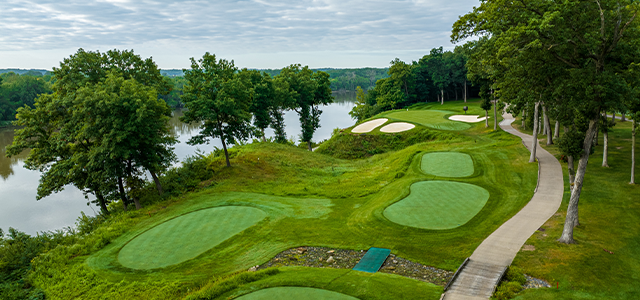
6	164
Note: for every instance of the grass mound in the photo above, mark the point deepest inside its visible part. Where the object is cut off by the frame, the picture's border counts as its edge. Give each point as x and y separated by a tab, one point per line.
187	236
447	164
438	205
430	118
349	146
295	293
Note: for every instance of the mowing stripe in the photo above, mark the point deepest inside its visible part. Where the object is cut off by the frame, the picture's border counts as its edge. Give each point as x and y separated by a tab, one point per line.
372	260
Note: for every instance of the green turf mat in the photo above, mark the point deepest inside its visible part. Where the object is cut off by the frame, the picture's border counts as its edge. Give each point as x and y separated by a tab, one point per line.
372	260
447	164
438	205
187	236
294	293
430	118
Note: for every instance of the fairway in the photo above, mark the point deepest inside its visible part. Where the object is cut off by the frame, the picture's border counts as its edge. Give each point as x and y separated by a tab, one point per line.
295	293
187	236
430	118
438	205
447	164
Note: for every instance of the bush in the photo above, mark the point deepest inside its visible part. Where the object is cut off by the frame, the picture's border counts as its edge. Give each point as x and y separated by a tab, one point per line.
507	290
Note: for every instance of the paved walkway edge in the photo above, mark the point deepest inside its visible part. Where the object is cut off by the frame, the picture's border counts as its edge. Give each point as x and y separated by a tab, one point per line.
478	279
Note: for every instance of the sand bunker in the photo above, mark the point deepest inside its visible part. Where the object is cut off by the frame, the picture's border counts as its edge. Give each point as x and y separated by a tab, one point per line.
368	126
397	127
467	118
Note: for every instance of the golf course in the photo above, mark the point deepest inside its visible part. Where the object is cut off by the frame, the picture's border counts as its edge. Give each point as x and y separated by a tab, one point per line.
432	201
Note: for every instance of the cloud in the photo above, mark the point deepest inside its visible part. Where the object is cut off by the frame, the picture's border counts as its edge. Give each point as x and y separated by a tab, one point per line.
232	27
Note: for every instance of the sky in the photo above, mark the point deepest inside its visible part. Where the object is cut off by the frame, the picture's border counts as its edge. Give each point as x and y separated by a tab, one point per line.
38	34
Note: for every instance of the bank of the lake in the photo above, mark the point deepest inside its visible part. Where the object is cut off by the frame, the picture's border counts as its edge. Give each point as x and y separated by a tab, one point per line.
18	186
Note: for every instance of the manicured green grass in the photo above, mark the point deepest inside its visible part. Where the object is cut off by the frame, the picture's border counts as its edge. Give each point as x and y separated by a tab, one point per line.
310	199
447	164
431	118
295	293
609	217
187	236
356	284
438	205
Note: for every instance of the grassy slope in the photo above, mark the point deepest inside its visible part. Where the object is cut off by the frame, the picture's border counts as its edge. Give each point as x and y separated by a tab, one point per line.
609	216
314	200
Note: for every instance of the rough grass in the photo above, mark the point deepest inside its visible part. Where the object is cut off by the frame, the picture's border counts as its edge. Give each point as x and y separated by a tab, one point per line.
438	205
187	236
310	199
447	164
609	217
295	293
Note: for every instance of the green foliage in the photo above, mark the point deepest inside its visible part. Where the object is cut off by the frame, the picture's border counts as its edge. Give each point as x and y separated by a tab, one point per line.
219	286
507	290
515	274
17	91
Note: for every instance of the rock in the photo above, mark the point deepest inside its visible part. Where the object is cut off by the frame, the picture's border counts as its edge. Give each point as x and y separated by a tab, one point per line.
302	250
330	252
395	261
528	248
391	268
320	259
330	260
253	269
545	235
292	258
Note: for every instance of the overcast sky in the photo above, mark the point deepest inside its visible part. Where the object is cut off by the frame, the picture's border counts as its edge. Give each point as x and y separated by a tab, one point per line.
254	33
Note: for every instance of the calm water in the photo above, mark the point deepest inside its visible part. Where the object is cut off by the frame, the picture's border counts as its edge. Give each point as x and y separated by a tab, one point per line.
19	208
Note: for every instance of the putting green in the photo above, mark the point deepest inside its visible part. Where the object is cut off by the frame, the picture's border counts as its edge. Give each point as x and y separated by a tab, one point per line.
447	164
438	205
430	118
295	293
187	236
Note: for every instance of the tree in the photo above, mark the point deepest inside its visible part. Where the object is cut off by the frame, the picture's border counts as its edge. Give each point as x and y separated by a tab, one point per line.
439	71
592	41
309	90
218	98
100	125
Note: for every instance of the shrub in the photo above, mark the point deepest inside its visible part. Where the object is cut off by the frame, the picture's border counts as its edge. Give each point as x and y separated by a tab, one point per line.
218	287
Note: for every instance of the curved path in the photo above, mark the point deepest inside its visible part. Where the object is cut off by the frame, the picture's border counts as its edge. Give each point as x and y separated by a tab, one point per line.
478	278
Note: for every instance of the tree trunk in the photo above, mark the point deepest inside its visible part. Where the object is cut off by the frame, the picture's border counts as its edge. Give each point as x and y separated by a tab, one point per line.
132	186
534	143
495	115
486	119
572	219
570	166
622	118
226	153
544	120
123	195
633	152
465	90
157	181
456	91
605	152
556	133
524	120
103	204
441	97
264	139
309	144
547	126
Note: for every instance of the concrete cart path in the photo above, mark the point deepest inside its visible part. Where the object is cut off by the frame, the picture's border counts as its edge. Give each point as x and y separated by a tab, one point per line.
478	278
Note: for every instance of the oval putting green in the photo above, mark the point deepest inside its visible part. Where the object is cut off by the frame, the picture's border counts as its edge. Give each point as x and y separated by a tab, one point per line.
187	236
438	205
447	164
430	118
291	292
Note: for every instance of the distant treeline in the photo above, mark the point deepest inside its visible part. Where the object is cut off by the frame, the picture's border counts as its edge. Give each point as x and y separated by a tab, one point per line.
20	90
438	76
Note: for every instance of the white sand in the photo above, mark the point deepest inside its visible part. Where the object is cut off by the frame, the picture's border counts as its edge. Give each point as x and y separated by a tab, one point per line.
397	127
467	118
368	126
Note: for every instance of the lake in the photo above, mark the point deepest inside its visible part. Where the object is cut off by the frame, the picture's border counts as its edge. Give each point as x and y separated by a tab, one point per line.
18	186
